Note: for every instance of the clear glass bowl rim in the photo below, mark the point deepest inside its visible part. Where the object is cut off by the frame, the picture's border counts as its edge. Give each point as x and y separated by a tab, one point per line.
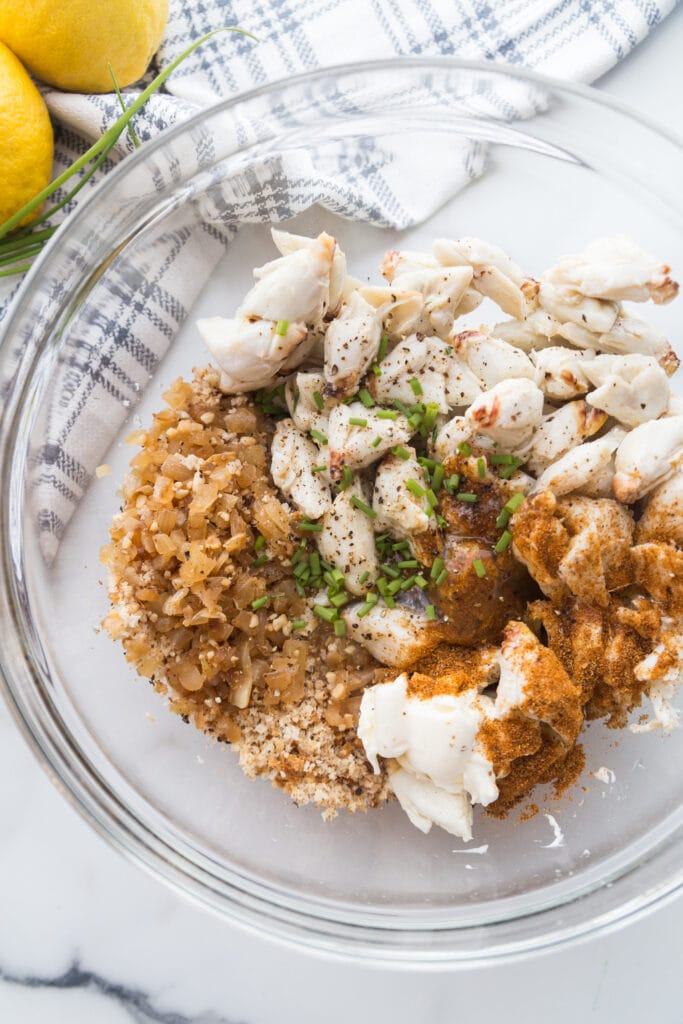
268	912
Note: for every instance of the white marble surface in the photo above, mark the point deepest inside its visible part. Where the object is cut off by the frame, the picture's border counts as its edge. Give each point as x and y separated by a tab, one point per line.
86	936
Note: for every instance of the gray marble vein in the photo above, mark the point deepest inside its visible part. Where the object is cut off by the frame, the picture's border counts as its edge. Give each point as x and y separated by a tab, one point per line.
134	1001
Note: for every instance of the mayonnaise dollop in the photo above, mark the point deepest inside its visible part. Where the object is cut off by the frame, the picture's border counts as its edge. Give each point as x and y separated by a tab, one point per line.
438	770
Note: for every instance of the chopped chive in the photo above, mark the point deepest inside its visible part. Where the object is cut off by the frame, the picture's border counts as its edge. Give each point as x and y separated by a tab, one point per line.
328	614
259	543
401	407
503	543
441	577
364	609
337	575
514	502
300	590
383	346
417	408
376	441
362	507
339	627
339	600
346	480
371	597
318	399
415	488
421	582
432	499
317	436
409	563
394	587
301	569
416	387
281	327
464	448
261	560
503	519
389	570
479	567
431	412
310	527
366	398
430	612
401	545
401	452
389	601
298	624
299	553
358	421
314	561
260	602
466	496
297	395
386	414
364	578
481	468
348	400
382	537
318	469
442	522
437	566
437	476
376	370
507	472
415	419
409	582
500	459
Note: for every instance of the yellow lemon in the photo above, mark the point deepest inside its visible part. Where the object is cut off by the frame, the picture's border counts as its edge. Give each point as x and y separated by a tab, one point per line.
70	43
26	141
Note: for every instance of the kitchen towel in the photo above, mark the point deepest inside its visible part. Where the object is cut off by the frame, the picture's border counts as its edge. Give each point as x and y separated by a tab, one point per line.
572	39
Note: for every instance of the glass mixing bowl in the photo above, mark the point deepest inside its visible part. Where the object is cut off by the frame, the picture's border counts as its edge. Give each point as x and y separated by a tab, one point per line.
557	165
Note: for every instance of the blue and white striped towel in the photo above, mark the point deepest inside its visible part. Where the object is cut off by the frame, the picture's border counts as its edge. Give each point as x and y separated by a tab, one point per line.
572	39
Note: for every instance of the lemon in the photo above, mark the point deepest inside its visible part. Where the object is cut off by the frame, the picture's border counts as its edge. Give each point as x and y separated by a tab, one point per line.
70	43
26	141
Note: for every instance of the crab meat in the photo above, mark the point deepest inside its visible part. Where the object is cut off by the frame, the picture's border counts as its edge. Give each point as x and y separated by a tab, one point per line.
287	243
532	682
577	545
303	408
443	288
494	273
250	354
402	312
658	570
292	459
617	269
632	388
662	519
663	670
295	287
351	343
457	431
560	372
563	429
598	557
348	540
586	469
508	413
397	637
443	378
398	510
357	446
569	306
647	456
490	359
632	335
536	331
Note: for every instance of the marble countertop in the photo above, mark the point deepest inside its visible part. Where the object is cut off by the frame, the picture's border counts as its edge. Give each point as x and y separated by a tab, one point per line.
86	936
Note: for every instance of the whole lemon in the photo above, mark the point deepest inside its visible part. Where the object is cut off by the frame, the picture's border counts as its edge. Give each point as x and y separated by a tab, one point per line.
26	141
70	43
